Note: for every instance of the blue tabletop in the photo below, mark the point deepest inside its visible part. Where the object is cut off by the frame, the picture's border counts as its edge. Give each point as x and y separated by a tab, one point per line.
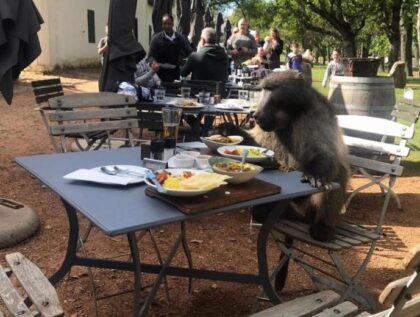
122	209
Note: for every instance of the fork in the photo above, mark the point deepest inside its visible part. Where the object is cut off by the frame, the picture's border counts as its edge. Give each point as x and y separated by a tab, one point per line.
122	170
244	155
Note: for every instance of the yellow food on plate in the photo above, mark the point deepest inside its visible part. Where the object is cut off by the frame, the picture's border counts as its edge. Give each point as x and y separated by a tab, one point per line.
187	103
200	181
252	152
220	138
235	166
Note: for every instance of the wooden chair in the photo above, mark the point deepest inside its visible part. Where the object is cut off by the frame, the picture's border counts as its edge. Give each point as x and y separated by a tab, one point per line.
378	161
407	110
398	295
40	293
91	116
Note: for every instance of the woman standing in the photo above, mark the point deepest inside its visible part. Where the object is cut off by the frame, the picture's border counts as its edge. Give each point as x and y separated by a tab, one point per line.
273	47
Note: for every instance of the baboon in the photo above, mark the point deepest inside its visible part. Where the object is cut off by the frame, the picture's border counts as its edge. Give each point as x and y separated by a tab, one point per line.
300	126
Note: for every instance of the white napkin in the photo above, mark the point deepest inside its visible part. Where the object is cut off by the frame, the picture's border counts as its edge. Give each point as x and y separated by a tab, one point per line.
92	175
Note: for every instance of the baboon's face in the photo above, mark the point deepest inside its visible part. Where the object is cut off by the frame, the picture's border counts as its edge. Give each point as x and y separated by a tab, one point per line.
271	114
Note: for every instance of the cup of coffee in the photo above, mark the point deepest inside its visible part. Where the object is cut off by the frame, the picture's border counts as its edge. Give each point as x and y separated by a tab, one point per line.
185	92
171	119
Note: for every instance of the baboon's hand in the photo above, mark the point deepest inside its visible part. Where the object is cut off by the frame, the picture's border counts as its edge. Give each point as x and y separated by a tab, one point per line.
317	182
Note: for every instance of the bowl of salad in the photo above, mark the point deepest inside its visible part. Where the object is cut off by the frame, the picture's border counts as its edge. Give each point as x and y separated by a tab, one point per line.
255	154
238	172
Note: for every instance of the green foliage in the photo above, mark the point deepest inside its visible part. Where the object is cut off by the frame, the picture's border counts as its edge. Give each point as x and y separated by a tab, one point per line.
380	46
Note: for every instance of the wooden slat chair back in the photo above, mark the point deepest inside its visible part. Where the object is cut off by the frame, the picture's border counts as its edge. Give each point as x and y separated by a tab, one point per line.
90	114
39	290
407	110
150	118
400	296
377	157
46	89
369	161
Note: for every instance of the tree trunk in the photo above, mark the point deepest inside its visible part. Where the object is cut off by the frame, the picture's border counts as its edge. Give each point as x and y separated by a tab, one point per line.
418	26
403	37
395	50
416	56
349	46
409	49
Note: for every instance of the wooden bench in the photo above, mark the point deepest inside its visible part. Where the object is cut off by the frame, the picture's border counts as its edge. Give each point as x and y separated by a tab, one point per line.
398	294
40	293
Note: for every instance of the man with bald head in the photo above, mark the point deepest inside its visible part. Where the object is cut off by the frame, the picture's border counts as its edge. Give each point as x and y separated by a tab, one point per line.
241	45
210	62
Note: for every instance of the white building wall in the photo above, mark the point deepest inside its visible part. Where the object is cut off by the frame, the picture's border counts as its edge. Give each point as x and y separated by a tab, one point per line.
64	34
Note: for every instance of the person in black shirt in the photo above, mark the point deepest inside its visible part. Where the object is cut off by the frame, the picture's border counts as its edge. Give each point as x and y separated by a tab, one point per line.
165	49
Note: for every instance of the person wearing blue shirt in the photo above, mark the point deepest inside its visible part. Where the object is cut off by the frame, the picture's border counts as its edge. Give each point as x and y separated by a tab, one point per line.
294	58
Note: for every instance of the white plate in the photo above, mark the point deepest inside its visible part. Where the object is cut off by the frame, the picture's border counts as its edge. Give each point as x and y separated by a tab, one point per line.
213	145
95	175
268	154
229	107
182	192
167	66
177	102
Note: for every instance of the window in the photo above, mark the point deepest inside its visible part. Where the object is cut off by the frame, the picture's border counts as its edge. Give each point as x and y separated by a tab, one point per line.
91	26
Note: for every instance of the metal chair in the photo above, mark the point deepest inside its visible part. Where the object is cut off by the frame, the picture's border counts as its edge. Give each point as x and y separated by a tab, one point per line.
378	161
398	295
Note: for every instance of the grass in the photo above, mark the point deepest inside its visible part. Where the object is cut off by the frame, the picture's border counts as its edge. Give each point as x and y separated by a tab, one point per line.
412	162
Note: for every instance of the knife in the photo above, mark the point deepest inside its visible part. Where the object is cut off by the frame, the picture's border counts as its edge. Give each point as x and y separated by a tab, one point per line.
153	178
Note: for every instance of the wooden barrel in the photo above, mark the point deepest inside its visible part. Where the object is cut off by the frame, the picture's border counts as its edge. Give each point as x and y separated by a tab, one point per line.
368	96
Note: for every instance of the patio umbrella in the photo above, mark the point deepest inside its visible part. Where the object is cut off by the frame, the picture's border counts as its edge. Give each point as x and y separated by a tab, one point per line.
197	21
228	31
183	13
123	49
19	44
208	18
219	22
160	7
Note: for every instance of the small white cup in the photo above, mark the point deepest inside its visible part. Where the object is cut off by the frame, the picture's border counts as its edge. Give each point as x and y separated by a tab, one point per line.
182	161
193	154
202	161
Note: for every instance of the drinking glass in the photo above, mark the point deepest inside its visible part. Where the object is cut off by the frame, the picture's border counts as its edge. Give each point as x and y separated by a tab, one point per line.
204	97
243	94
160	94
185	92
171	119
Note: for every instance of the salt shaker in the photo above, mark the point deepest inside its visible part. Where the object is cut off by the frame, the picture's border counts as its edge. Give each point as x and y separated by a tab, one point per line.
169	150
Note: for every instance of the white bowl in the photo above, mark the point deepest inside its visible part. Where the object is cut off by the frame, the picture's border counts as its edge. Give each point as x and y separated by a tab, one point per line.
182	161
236	177
213	145
202	161
190	153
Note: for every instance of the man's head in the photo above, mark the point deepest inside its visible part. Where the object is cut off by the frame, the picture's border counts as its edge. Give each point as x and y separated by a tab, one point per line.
336	55
243	25
168	24
208	36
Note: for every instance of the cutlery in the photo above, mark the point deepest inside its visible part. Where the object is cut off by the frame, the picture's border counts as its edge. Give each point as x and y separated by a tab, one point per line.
108	171
123	170
153	178
244	155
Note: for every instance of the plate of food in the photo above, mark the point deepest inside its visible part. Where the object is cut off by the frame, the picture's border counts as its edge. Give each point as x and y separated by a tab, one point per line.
213	142
187	182
187	103
239	173
255	154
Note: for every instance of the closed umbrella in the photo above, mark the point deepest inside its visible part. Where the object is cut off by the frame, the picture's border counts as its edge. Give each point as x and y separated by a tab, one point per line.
228	32
183	13
197	21
19	44
208	18
160	8
124	51
219	22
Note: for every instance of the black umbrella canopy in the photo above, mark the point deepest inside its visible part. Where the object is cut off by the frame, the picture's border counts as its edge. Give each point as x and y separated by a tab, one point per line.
208	18
219	22
19	44
183	13
124	51
228	31
197	21
160	8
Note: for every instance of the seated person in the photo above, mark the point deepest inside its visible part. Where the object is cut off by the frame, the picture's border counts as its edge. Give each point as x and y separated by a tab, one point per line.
145	74
209	63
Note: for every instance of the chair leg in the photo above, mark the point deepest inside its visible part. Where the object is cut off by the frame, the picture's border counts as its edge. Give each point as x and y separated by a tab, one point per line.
187	252
281	276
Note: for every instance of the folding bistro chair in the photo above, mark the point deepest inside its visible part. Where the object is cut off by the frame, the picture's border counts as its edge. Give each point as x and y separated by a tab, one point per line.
376	160
399	295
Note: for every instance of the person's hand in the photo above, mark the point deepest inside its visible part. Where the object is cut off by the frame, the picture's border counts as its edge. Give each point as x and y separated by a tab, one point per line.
155	67
234	52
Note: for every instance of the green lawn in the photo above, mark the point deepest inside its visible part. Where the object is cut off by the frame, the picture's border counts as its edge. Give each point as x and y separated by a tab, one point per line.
412	163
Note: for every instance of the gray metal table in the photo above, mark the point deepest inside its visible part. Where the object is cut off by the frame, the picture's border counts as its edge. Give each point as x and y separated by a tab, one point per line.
118	210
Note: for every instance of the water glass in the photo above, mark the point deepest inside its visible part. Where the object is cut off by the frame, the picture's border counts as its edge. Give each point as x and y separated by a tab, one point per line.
171	119
243	94
160	94
204	97
185	92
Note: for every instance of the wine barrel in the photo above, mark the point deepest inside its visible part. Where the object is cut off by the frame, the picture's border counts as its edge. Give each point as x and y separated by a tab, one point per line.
368	96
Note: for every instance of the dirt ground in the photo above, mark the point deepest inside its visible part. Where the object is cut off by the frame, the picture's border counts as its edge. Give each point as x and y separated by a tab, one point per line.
222	242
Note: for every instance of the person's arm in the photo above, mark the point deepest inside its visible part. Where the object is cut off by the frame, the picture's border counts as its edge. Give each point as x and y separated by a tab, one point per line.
327	75
188	67
153	49
185	46
253	50
144	78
